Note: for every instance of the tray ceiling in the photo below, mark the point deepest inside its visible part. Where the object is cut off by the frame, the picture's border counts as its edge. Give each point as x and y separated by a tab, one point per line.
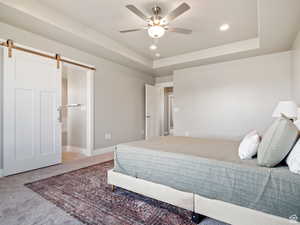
257	27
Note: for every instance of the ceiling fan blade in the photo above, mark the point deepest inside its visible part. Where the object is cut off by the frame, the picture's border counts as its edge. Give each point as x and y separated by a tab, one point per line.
180	30
131	30
136	11
177	12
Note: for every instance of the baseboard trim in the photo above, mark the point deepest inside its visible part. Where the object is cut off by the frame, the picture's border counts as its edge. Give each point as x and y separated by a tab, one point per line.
1	173
69	148
100	151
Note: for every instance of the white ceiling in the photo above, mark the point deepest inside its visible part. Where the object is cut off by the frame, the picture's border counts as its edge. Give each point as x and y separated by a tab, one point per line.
204	18
257	27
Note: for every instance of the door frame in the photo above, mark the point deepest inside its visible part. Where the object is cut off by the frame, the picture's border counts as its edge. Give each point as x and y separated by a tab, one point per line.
169	111
88	151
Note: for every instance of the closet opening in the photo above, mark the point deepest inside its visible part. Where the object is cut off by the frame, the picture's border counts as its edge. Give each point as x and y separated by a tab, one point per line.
76	113
159	113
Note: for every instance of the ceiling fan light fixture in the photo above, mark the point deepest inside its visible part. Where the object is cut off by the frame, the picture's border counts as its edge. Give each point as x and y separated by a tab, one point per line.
156	31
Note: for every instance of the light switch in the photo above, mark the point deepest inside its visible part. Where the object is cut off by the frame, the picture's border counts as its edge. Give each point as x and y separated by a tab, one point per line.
107	136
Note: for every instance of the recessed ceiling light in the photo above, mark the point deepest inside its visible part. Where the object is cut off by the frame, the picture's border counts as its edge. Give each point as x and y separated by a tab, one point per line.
224	27
153	47
157	55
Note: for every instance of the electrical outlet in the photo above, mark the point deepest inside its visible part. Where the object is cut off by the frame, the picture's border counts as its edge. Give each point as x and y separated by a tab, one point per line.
107	136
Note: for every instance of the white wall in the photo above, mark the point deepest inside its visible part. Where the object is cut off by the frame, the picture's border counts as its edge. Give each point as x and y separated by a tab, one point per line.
226	100
296	70
119	90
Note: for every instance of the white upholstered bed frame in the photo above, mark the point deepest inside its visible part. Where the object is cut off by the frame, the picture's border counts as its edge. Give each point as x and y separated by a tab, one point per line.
226	212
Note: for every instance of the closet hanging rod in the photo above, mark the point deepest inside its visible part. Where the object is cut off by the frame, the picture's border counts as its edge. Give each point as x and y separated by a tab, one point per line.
9	44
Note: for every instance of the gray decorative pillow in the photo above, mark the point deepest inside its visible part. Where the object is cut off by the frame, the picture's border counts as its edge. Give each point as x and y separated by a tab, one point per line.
277	142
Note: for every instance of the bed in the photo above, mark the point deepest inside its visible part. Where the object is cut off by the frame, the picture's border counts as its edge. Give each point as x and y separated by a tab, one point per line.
204	176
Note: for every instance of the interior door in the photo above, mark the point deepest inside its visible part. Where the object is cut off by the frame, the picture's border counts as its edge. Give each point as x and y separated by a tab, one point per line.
32	95
153	111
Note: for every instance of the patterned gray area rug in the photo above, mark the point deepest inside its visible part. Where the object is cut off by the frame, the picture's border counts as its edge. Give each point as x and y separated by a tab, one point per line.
84	194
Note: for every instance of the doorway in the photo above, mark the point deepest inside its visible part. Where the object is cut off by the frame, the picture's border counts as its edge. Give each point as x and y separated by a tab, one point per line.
75	113
159	110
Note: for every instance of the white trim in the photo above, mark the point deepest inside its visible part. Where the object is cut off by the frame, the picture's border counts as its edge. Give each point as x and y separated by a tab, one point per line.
162	111
68	148
146	110
90	112
170	111
100	151
165	84
1	127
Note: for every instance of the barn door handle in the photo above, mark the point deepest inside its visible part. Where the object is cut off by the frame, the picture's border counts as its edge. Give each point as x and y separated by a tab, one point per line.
59	118
69	106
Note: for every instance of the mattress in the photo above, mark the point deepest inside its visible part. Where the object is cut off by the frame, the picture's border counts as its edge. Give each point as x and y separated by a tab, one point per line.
212	169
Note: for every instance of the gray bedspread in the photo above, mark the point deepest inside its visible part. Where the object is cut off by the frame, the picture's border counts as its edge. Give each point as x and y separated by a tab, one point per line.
212	169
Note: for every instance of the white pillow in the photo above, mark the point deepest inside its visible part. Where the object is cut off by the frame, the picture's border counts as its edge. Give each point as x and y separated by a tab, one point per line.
297	124
293	159
249	145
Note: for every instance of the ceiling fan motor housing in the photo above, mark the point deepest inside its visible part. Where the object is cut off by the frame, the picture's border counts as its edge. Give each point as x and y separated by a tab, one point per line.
156	10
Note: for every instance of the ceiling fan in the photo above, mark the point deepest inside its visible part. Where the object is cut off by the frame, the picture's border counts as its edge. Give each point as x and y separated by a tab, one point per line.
158	25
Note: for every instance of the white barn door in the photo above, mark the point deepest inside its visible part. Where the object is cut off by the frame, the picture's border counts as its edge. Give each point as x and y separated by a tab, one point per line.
31	127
